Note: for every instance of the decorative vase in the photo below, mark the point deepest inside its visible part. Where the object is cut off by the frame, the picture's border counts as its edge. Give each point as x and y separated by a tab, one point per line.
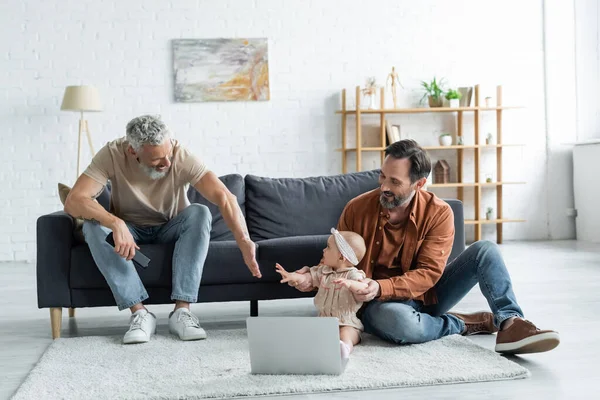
488	101
435	101
372	103
454	103
488	216
446	140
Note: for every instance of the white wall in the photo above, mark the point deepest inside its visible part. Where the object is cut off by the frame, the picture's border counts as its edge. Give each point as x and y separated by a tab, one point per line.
587	36
316	48
561	114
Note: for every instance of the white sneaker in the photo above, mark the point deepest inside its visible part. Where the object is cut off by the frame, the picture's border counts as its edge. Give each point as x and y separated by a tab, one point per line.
185	324
142	326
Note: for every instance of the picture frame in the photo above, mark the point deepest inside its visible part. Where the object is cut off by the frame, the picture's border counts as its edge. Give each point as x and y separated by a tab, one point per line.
393	132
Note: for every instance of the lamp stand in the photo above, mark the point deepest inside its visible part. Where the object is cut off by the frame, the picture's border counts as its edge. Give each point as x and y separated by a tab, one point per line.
83	126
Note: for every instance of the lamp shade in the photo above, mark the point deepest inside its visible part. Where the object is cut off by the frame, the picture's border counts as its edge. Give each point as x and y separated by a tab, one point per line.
81	98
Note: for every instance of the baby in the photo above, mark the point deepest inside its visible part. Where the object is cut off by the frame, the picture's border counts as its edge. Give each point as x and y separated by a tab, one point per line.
336	277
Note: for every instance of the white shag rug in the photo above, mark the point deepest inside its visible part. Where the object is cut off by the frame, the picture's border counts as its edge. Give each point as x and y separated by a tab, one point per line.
219	367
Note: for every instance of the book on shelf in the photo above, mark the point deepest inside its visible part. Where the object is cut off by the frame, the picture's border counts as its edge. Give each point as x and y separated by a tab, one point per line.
393	132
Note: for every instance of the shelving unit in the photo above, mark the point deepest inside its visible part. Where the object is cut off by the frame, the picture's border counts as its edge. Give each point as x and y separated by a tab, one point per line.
475	148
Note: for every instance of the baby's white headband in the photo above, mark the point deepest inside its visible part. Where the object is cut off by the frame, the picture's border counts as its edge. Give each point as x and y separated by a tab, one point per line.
344	247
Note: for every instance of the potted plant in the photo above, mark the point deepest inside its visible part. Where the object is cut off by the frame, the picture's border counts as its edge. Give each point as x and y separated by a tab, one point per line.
370	90
434	92
488	214
446	139
453	96
488	139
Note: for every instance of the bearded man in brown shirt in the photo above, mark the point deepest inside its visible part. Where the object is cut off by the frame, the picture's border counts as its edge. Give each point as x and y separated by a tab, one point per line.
409	234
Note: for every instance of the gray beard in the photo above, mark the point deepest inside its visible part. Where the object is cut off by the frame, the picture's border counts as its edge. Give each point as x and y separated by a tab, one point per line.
396	202
153	173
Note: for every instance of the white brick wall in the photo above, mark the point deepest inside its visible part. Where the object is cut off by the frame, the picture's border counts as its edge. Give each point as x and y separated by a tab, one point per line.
316	48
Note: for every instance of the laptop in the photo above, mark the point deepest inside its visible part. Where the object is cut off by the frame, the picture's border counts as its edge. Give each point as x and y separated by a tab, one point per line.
295	345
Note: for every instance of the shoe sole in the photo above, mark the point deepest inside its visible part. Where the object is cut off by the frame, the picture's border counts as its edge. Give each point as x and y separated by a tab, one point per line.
481	333
199	337
141	341
533	344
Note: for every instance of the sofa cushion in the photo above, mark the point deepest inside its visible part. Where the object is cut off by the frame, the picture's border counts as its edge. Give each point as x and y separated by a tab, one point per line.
235	184
85	275
224	264
291	252
301	206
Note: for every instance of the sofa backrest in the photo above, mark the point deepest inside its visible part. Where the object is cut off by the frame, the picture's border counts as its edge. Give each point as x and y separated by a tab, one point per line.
280	207
235	184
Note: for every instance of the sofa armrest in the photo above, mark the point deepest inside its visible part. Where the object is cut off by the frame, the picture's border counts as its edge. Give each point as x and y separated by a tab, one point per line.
54	242
459	228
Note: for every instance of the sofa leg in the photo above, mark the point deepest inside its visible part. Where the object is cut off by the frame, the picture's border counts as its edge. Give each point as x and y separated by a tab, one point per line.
254	308
56	321
71	312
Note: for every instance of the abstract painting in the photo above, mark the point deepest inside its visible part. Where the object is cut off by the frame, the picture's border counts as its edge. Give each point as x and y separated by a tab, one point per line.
221	70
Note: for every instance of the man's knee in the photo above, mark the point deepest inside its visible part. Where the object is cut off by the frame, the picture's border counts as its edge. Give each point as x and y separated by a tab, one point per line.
198	213
484	247
395	322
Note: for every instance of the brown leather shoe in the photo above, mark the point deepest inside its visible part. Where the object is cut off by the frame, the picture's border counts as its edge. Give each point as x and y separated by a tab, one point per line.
524	337
476	323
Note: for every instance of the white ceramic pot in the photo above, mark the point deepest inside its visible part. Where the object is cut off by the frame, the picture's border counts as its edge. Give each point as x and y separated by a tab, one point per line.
454	103
446	140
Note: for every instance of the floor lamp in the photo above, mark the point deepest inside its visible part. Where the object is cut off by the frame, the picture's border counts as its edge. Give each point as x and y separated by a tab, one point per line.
81	98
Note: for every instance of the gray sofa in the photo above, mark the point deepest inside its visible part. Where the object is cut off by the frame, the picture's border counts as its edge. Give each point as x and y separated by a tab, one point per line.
289	219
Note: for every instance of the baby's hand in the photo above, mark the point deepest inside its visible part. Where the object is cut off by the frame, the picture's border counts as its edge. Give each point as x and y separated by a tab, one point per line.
343	282
353	286
288	277
281	271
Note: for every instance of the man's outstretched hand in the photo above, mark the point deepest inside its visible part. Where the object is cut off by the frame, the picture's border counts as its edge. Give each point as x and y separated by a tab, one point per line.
248	249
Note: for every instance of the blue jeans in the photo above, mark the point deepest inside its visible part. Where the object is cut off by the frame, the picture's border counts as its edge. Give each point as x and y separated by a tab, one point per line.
190	230
409	321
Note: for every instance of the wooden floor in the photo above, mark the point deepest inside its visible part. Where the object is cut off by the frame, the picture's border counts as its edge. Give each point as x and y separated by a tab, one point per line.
557	284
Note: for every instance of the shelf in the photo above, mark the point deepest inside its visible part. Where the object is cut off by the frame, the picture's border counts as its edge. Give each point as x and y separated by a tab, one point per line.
491	221
471	184
426	110
453	147
364	149
469	153
471	146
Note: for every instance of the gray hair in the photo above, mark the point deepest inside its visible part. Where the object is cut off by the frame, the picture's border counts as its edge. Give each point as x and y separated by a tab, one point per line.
146	129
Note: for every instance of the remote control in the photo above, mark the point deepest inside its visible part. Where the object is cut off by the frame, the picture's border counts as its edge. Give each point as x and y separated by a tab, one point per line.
139	258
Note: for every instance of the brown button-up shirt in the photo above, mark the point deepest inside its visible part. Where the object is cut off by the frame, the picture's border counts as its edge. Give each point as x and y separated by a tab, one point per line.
390	255
420	258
